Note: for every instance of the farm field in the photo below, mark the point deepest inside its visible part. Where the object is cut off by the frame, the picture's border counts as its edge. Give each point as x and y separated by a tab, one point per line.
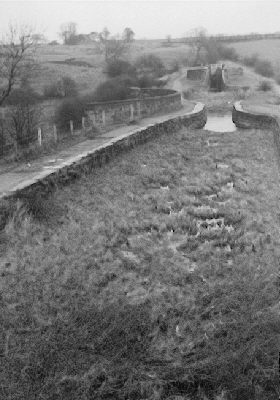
268	49
155	276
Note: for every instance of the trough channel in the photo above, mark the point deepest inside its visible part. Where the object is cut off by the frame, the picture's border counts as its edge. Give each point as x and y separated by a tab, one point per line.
220	123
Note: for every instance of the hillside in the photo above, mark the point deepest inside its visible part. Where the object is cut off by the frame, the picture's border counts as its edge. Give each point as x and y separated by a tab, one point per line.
268	49
85	64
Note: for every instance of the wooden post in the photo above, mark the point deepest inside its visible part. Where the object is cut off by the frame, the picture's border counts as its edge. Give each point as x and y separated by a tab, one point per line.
83	123
55	133
71	127
131	112
103	118
40	136
139	109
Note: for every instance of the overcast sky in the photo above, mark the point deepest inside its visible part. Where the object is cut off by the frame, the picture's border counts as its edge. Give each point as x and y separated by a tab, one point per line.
148	19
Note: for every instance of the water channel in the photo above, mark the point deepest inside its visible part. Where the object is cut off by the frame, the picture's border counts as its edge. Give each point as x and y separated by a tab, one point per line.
220	123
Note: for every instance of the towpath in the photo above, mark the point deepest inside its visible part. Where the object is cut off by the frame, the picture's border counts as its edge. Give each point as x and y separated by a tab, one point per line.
24	174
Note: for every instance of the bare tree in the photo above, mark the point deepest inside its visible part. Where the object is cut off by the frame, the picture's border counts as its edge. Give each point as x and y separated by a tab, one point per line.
16	59
68	32
128	35
197	41
114	47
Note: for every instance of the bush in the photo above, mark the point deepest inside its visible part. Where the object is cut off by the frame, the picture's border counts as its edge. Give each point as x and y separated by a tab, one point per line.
264	67
228	53
250	61
265	86
51	91
70	110
53	43
147	81
119	67
174	67
24	96
64	87
114	89
23	116
212	52
150	64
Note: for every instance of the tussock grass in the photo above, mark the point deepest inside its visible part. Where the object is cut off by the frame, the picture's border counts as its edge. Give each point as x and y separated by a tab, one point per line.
126	295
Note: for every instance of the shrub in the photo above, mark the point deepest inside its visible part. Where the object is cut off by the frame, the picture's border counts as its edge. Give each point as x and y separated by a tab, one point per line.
26	95
149	64
23	116
51	91
113	89
53	43
147	81
265	86
228	53
174	67
69	110
64	87
119	67
264	67
250	61
212	52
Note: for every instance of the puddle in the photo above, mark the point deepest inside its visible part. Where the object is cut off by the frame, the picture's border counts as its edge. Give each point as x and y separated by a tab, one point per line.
216	123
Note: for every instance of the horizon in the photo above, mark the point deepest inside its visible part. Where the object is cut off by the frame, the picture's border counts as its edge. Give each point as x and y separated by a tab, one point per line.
148	19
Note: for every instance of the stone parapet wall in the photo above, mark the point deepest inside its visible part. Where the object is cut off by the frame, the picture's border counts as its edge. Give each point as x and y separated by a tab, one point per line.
73	168
248	119
124	111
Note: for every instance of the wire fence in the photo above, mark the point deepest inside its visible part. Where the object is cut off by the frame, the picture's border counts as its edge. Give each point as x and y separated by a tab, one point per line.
43	135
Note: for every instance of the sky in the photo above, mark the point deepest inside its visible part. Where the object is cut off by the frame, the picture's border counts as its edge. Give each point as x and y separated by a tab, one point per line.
148	19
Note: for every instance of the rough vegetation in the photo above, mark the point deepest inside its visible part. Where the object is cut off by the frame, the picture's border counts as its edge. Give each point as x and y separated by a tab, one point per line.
153	278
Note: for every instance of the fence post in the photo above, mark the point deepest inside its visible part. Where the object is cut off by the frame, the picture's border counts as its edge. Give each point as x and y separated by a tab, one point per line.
40	136
103	118
139	109
55	133
71	127
83	123
131	112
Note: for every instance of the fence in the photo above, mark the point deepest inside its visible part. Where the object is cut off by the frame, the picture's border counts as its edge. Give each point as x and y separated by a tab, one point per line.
149	102
41	136
98	115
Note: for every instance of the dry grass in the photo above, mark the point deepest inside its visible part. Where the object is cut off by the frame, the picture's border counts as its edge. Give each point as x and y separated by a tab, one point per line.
267	49
58	61
158	277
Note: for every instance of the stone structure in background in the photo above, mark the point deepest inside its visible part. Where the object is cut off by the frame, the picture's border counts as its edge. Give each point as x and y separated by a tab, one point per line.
197	73
213	75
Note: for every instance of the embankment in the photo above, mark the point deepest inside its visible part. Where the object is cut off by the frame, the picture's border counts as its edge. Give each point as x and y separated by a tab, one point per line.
47	180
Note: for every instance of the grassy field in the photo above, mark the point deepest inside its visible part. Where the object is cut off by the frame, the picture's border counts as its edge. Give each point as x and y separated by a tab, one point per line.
85	64
267	49
157	276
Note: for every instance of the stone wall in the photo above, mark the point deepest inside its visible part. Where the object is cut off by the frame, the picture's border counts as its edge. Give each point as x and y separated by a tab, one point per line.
84	163
249	119
197	73
150	102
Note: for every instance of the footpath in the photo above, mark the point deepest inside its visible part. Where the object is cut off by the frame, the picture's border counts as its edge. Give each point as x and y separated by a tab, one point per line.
24	174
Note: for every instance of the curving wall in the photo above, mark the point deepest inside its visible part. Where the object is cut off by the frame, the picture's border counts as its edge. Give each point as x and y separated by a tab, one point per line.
245	119
149	102
249	119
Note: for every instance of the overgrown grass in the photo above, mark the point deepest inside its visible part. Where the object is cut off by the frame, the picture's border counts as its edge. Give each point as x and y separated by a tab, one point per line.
157	276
